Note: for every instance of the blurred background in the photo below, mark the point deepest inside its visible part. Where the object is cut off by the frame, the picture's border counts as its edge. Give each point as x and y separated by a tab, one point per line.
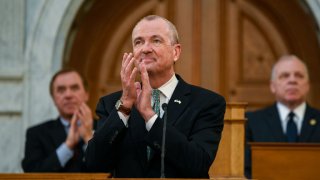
228	46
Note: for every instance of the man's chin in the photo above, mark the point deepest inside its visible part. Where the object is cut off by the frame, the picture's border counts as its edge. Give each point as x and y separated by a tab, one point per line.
294	100
69	114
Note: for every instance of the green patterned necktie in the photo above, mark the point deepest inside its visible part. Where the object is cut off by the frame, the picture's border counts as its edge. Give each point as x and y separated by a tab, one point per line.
156	101
156	108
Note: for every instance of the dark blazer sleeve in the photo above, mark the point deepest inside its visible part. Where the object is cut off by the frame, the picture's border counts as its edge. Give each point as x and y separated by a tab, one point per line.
101	153
192	140
36	158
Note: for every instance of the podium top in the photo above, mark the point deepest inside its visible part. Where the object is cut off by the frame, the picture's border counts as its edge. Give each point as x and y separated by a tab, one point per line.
282	144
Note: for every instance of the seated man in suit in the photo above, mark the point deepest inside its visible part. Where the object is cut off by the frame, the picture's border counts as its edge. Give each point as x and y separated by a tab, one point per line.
290	119
129	142
58	145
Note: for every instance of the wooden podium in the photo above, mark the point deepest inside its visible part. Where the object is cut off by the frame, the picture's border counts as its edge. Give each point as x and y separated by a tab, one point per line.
229	162
294	161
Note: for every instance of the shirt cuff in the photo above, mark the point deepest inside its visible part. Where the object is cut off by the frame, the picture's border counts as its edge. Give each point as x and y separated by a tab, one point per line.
151	121
124	118
64	154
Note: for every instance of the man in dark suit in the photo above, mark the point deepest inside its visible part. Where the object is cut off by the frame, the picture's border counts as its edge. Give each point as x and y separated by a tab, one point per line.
58	145
290	85
129	141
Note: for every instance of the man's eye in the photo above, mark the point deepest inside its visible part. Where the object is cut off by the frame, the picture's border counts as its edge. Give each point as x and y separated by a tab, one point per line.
136	43
157	41
299	75
61	89
74	88
284	75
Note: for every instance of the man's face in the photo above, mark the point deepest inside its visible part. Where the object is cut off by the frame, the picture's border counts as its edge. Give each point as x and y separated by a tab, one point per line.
152	46
290	84
68	93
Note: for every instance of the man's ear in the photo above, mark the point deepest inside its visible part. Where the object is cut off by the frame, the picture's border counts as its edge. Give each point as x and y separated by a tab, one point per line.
272	87
176	52
87	96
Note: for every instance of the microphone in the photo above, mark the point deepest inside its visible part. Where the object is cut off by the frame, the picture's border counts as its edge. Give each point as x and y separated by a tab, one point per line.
165	116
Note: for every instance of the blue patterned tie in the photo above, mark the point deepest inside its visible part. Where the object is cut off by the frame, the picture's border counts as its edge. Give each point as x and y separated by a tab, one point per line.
156	108
292	131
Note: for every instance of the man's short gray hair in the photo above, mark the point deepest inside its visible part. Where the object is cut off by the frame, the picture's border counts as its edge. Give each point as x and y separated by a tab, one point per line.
173	30
287	58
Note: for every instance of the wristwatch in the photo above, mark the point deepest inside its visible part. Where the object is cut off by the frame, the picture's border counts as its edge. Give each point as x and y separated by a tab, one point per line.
120	107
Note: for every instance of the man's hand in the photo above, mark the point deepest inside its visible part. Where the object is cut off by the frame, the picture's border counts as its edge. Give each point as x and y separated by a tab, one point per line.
128	75
73	136
143	102
86	122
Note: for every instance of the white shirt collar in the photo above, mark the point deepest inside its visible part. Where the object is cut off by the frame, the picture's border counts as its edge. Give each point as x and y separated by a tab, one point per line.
64	122
298	111
168	88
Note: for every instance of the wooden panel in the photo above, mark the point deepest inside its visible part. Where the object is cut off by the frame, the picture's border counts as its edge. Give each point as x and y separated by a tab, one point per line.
184	22
212	30
229	161
296	161
254	44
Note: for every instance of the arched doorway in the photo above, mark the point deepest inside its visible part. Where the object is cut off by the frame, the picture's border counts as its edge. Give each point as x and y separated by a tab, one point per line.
229	46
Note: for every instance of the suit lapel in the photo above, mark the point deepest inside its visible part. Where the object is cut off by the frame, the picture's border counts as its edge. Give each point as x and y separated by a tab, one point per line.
57	133
308	125
178	101
274	124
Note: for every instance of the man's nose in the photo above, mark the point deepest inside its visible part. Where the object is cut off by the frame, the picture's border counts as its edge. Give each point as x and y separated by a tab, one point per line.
292	78
68	93
146	47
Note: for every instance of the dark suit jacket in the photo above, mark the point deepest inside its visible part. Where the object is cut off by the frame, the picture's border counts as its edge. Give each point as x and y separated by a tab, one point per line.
265	126
193	133
40	149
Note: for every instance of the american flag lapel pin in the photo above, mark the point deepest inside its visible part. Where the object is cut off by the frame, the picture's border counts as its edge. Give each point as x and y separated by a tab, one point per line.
313	122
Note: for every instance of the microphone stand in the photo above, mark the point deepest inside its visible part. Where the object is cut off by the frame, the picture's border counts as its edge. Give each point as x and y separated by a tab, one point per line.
165	116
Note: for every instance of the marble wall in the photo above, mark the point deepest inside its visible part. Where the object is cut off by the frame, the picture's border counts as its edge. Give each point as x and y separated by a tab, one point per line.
32	39
12	69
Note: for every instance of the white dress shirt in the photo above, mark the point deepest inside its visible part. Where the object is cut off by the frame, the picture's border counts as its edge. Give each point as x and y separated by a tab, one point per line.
298	118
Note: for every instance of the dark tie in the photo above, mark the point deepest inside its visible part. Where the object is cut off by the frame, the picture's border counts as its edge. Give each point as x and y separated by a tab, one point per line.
292	132
156	108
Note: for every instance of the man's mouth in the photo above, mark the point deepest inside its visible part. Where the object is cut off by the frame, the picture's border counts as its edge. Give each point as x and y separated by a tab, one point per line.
147	59
69	104
292	90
